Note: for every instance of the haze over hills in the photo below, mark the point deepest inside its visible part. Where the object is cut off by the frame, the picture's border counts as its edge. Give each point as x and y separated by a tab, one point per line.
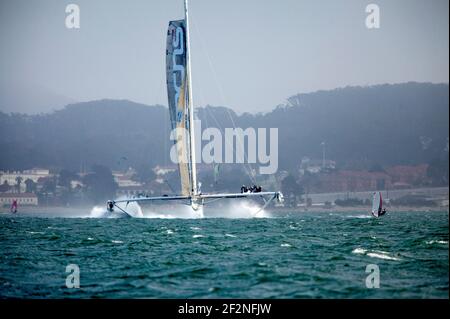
361	127
30	98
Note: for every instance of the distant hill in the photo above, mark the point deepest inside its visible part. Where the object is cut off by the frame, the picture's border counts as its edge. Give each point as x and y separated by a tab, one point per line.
361	126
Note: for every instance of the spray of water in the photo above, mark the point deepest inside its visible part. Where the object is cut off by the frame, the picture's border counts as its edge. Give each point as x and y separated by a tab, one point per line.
239	209
133	209
228	209
173	211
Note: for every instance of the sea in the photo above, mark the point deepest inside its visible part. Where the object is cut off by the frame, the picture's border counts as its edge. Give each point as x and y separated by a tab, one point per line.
235	254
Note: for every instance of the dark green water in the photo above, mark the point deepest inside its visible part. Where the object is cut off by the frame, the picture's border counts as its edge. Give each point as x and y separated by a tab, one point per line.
312	255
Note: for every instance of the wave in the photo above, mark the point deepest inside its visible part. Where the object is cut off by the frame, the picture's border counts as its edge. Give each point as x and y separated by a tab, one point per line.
382	256
442	242
359	251
358	216
374	254
173	211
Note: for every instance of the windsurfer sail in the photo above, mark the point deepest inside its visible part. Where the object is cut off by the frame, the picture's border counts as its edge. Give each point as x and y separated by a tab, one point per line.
181	108
14	206
377	205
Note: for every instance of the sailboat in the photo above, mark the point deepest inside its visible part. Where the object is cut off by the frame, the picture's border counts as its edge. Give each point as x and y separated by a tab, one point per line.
14	206
181	108
377	205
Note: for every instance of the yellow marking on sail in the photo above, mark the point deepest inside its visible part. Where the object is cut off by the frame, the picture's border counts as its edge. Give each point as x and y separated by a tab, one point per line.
182	143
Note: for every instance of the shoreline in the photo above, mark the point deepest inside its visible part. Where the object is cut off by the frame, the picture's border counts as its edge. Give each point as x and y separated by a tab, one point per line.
363	209
84	210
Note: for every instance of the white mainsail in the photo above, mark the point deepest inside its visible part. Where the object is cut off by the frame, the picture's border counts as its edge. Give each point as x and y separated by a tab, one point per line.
177	83
377	204
179	90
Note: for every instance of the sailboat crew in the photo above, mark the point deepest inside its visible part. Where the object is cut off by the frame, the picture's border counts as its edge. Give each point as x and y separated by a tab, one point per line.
110	205
251	189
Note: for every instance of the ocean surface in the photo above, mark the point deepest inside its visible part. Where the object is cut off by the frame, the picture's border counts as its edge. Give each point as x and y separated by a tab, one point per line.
293	255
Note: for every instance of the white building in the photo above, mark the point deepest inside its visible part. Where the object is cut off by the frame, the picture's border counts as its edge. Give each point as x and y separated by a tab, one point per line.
125	179
24	199
161	171
315	166
33	174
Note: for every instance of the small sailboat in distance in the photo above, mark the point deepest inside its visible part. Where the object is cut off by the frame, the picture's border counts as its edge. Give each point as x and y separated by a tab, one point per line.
377	205
181	108
14	205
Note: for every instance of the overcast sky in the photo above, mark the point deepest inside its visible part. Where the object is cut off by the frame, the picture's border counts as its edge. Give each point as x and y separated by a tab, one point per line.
249	55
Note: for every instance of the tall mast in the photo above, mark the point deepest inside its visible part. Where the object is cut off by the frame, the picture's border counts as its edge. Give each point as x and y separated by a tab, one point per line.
191	105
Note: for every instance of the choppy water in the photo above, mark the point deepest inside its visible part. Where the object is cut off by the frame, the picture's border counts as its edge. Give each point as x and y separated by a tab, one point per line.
318	255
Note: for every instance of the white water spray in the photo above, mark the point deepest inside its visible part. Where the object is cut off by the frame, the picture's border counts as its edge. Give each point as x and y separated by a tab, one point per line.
241	209
132	208
235	209
173	211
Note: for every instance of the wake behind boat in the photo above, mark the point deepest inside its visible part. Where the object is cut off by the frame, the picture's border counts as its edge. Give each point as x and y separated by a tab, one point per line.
181	108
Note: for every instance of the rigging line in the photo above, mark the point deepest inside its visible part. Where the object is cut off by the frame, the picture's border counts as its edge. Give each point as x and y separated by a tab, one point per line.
167	126
248	172
166	113
230	145
205	117
206	112
248	169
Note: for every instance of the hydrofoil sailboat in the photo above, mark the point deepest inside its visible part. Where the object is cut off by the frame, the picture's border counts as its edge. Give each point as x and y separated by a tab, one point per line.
181	107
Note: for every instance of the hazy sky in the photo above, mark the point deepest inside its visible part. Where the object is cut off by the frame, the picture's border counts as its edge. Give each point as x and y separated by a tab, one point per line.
247	54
